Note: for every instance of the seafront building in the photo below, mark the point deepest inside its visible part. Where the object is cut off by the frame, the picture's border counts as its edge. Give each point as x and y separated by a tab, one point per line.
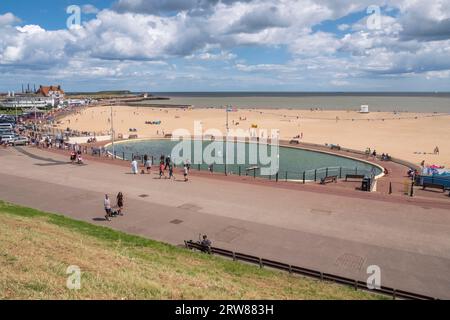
44	97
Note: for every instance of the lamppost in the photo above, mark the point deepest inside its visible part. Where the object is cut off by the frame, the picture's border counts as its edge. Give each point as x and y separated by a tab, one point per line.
112	133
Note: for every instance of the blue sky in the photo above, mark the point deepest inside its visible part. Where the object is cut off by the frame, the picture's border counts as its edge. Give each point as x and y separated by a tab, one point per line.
227	45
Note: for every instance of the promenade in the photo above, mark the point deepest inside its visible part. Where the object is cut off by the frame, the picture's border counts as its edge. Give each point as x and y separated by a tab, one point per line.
329	232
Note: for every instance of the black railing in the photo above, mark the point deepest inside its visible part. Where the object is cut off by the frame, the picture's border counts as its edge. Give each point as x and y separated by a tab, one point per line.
356	284
314	175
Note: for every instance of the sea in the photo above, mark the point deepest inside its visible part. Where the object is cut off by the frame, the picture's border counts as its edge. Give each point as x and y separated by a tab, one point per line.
380	101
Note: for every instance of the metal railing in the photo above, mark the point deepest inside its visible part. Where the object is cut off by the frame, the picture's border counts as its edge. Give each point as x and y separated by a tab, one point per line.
356	284
305	176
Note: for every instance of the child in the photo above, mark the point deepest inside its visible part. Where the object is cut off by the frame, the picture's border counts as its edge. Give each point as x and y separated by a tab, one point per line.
161	170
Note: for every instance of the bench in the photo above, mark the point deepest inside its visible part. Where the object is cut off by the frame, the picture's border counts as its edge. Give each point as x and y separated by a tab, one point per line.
191	245
433	186
328	179
354	176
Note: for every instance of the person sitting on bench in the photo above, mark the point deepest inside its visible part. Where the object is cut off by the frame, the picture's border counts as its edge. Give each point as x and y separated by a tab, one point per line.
206	244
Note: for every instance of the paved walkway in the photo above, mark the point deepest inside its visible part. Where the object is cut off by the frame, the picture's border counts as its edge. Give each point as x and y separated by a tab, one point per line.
331	233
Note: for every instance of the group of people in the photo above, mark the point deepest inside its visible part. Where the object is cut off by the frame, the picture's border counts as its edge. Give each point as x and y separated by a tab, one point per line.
76	157
109	209
165	164
385	157
374	154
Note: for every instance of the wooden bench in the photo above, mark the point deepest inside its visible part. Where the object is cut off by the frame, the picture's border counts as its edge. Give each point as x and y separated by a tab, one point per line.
329	179
191	245
433	186
354	176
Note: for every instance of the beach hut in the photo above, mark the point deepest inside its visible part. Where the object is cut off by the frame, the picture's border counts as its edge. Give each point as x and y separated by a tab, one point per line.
364	109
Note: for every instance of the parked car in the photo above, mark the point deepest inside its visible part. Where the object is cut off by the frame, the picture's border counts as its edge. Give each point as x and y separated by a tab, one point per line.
6	132
21	141
8	139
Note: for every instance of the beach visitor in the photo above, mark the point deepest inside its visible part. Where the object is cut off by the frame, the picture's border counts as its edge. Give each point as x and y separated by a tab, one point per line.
188	164
206	244
161	170
171	172
186	173
107	205
436	150
168	162
134	166
374	154
80	159
120	203
148	164
73	157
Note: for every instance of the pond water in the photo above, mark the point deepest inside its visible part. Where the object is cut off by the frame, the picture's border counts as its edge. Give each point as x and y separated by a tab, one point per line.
242	158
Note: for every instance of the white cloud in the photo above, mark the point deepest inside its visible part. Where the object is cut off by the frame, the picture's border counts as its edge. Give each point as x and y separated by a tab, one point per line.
413	39
8	19
89	9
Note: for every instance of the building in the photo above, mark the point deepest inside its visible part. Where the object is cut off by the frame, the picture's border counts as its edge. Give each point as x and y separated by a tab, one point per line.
24	102
54	92
44	97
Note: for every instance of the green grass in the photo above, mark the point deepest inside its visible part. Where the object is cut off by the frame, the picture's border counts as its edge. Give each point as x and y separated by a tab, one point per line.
37	247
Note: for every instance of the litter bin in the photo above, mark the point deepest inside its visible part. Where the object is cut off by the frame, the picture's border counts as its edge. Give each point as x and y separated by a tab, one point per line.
366	184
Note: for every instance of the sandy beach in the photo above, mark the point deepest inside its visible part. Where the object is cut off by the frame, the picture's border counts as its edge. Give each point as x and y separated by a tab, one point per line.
409	136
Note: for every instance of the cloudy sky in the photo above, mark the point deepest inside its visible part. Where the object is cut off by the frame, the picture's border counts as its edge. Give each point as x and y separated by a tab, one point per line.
227	45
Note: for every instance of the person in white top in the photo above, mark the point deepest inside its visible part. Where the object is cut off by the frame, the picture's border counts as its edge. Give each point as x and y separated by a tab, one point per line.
107	205
134	166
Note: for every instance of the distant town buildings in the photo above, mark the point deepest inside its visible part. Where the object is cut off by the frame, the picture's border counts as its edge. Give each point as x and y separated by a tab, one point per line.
44	97
54	92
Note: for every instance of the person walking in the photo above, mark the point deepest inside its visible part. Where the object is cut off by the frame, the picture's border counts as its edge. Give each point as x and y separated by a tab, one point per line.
134	167
161	170
436	150
148	164
107	205
171	172
120	203
186	173
168	163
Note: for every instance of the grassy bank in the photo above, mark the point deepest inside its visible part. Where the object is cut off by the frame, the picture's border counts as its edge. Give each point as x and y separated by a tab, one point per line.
36	248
